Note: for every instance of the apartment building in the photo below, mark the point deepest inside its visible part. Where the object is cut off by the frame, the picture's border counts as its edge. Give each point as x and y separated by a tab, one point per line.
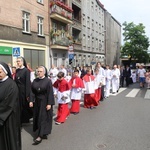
60	31
56	31
77	31
24	31
112	39
93	33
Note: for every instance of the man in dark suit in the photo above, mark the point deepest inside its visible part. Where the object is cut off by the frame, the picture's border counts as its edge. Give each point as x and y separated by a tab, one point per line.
122	76
127	75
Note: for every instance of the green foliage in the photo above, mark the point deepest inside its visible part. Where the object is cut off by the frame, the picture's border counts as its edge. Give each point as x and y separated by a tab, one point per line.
136	43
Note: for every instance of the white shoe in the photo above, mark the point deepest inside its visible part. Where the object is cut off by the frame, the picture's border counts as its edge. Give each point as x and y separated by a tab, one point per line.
57	123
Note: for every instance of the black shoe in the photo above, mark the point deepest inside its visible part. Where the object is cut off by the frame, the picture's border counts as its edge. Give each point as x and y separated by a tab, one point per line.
36	142
75	113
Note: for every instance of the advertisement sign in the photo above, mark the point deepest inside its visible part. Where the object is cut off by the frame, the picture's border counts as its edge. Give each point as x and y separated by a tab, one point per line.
5	50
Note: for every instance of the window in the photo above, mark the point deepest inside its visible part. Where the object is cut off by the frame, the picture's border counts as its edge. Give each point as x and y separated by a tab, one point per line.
88	22
54	27
92	43
6	58
40	1
62	31
34	57
84	21
26	22
88	41
96	44
92	24
84	40
55	59
92	6
40	26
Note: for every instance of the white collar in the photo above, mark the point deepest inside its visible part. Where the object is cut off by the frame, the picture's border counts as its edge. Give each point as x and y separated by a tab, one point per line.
42	77
4	79
21	67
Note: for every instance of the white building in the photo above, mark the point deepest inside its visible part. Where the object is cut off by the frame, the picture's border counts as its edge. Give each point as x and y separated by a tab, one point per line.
93	33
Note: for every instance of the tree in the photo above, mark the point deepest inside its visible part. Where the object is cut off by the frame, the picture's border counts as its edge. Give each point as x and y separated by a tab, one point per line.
136	43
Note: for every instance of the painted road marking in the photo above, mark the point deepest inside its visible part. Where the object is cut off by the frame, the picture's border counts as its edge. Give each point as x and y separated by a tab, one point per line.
133	93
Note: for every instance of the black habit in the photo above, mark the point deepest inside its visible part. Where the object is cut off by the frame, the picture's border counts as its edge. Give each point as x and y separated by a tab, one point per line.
42	95
10	137
23	82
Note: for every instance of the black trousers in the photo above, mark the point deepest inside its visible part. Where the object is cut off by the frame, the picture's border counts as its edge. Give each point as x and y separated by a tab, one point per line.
102	93
122	81
127	81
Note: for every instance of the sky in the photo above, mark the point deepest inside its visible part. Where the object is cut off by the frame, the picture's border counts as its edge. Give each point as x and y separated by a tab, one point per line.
136	11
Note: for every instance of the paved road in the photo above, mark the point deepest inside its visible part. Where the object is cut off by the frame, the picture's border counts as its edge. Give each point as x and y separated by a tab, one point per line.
121	122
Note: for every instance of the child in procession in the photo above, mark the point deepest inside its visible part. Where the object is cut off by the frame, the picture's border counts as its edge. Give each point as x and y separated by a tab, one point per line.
77	85
62	93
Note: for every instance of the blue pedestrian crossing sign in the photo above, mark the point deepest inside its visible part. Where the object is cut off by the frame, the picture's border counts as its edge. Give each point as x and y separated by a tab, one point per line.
71	56
16	51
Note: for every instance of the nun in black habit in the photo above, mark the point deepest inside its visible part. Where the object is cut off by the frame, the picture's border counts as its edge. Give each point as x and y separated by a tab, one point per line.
42	99
22	79
10	133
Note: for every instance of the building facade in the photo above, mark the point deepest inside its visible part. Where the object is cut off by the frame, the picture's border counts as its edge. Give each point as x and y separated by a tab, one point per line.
112	40
59	32
93	33
24	31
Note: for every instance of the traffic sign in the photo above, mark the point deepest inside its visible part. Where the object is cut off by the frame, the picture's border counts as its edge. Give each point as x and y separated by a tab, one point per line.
71	56
16	51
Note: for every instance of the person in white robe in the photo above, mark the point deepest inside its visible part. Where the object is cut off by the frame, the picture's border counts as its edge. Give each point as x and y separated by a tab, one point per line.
108	73
53	74
115	79
133	75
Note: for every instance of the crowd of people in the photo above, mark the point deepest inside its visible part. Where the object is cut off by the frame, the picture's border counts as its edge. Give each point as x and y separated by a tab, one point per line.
25	95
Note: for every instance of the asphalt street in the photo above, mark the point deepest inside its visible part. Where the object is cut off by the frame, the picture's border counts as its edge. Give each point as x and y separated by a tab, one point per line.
120	122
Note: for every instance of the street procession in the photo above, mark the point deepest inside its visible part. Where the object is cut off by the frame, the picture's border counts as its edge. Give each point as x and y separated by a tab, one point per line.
74	75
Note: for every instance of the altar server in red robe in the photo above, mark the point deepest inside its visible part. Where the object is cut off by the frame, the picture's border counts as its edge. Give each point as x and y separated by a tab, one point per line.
62	92
76	85
97	84
89	95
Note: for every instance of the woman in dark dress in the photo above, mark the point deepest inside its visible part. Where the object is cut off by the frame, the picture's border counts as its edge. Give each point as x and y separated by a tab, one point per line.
22	79
42	99
10	137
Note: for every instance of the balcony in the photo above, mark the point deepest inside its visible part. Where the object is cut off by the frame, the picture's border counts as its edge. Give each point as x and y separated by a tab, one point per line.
77	24
77	46
61	12
61	39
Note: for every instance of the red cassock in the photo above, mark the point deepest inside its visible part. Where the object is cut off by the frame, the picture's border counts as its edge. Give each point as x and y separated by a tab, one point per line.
89	97
63	109
76	93
98	95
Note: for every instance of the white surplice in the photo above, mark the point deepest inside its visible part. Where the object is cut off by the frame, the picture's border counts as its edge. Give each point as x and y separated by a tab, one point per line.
108	73
115	80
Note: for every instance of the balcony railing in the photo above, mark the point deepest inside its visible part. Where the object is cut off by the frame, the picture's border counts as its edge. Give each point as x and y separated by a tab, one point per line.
60	14
61	37
62	5
61	8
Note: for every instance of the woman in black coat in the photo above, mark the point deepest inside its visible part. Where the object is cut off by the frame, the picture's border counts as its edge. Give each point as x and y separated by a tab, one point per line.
42	99
22	79
10	133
